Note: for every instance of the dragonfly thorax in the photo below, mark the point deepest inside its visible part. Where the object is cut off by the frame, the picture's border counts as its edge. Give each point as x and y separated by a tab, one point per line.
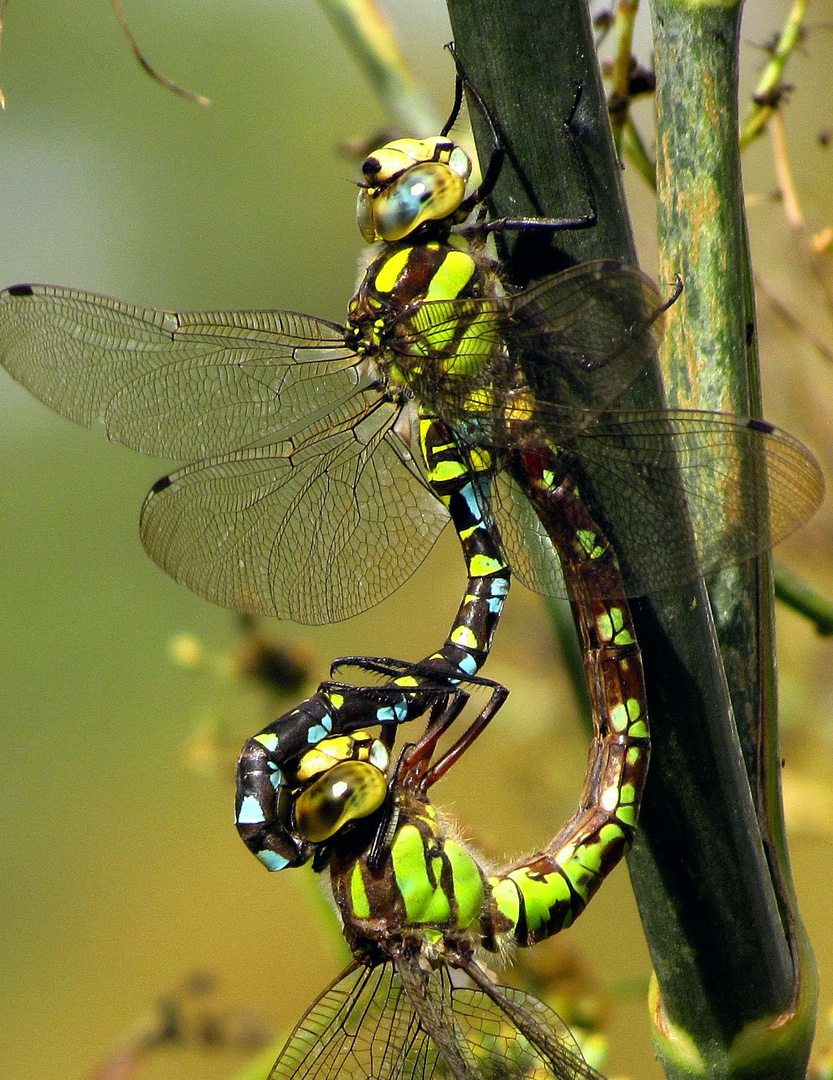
428	890
411	183
402	324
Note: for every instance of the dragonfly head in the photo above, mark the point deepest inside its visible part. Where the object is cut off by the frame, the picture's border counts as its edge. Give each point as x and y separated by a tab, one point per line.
345	779
408	183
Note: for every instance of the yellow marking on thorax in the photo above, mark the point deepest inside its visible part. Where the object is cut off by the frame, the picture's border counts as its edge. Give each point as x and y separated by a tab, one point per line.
390	271
451	277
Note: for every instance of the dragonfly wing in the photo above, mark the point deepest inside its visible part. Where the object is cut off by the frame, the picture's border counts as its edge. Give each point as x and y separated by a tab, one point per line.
531	553
314	529
579	338
583	336
518	1035
406	1023
745	484
362	1028
492	1031
185	385
433	996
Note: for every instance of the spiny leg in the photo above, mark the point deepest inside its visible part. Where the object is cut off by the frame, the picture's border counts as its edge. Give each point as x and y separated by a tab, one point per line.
496	160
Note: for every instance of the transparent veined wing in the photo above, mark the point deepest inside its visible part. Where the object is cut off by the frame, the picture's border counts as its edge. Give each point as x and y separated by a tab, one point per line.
571	345
579	338
744	484
314	529
362	1028
179	385
526	1037
304	504
488	1031
406	1023
529	550
583	336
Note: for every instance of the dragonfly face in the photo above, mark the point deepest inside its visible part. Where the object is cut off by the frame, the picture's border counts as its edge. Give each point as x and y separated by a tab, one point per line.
344	780
411	183
285	811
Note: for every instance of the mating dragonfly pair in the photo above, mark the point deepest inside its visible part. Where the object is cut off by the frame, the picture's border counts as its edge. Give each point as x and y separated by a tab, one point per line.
442	398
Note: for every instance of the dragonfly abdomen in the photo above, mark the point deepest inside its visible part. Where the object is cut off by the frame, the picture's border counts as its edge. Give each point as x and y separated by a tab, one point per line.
546	893
463	488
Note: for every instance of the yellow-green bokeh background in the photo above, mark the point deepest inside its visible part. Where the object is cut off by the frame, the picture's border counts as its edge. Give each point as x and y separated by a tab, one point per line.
121	870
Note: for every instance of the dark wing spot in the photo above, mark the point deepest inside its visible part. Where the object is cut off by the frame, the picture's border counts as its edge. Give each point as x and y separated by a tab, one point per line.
760	425
160	485
20	290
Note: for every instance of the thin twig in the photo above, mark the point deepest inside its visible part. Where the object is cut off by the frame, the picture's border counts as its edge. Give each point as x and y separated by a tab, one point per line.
765	97
2	24
620	93
163	80
368	34
797	594
783	171
810	251
788	316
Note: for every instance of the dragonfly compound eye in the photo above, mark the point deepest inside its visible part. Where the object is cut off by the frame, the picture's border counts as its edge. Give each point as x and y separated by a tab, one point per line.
351	790
409	182
359	746
428	192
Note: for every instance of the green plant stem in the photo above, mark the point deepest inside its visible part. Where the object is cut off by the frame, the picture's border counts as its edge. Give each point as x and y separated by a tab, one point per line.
709	903
761	109
636	154
619	100
712	363
792	590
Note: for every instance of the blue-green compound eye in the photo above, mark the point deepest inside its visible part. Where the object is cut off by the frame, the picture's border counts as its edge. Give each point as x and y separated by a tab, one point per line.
430	191
351	790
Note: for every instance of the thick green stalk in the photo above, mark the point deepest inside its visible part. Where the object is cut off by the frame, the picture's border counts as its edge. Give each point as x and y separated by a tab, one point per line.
700	871
712	363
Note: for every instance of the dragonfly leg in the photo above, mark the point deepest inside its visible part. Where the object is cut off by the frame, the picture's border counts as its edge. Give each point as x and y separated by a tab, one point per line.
460	82
410	767
438	770
414	768
496	160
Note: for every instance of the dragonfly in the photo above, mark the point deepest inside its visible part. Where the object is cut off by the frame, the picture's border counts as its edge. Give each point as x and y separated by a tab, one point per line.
418	909
306	435
353	445
328	719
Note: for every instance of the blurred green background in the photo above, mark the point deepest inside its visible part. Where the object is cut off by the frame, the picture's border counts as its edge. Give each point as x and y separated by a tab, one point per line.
122	872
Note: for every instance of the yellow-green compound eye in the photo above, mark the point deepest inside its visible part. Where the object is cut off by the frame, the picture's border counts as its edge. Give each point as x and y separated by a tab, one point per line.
351	790
431	191
395	157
